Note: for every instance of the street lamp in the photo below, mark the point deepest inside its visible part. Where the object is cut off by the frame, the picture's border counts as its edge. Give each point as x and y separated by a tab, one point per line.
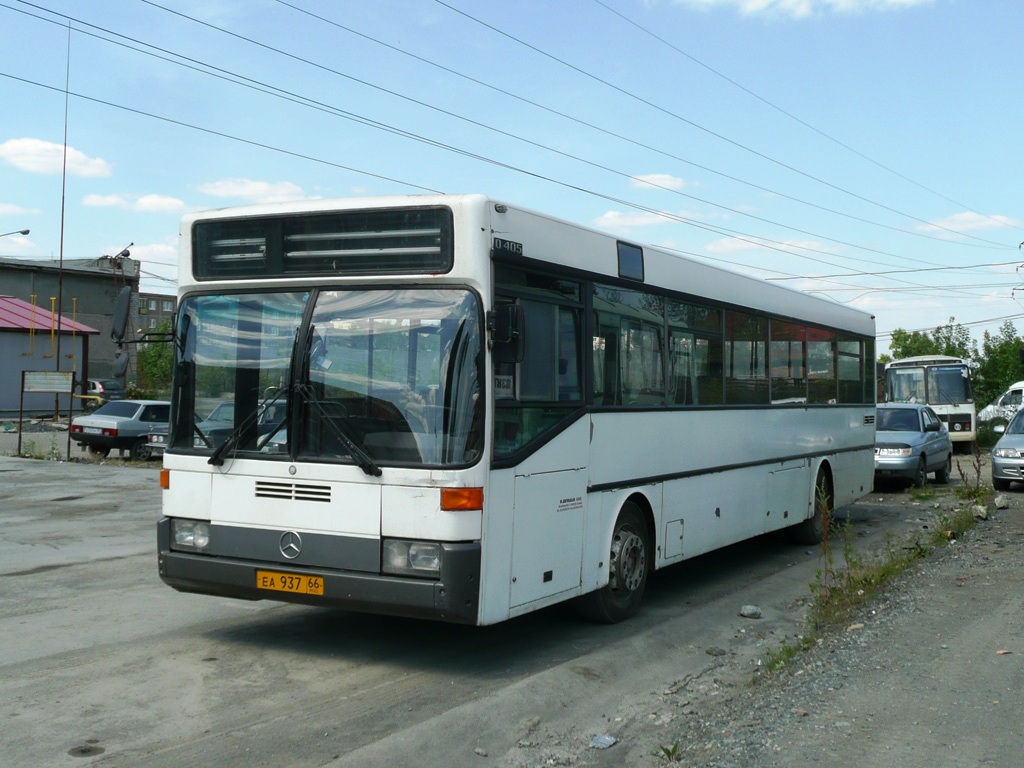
16	232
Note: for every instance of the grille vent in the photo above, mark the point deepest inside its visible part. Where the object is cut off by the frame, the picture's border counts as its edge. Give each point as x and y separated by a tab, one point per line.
869	419
292	491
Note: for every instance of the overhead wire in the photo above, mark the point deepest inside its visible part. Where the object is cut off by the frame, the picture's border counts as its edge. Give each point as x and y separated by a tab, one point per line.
698	126
610	133
789	114
308	102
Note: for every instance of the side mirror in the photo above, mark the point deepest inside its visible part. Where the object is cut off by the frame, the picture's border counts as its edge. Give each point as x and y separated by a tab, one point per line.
122	308
506	324
999	429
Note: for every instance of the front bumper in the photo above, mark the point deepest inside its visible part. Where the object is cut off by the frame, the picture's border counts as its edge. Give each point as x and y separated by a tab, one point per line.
1008	469
904	467
455	597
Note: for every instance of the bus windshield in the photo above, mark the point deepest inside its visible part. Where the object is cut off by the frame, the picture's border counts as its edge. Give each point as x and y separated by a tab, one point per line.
377	377
935	385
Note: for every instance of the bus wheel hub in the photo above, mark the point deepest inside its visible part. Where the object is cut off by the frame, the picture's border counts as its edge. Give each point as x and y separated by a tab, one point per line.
628	561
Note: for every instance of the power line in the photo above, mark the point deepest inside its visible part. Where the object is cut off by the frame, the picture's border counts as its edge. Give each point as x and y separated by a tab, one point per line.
613	134
696	125
306	102
263	87
788	114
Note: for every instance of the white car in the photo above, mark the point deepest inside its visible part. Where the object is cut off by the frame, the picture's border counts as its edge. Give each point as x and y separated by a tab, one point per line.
121	424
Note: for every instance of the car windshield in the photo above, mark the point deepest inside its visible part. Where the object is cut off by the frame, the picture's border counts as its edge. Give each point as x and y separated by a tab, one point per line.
1016	425
224	412
383	376
897	420
117	408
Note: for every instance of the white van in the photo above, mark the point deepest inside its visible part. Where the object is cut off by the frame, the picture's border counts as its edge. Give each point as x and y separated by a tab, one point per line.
1004	406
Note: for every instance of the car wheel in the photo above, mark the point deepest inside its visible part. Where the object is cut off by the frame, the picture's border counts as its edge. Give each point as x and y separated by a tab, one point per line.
922	474
628	567
1000	485
942	475
140	450
98	450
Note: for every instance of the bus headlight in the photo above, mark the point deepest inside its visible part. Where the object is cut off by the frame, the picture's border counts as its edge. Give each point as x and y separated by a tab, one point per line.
412	558
190	535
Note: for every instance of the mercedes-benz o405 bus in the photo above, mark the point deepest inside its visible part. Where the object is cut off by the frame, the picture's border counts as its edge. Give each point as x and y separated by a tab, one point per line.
452	408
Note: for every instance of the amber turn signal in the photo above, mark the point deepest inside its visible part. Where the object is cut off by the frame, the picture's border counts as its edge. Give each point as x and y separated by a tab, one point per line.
457	499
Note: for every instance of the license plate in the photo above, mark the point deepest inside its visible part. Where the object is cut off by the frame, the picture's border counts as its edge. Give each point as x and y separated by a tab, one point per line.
92	430
295	583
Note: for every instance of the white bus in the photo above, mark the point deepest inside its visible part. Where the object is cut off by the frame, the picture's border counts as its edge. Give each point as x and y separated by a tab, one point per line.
488	410
944	383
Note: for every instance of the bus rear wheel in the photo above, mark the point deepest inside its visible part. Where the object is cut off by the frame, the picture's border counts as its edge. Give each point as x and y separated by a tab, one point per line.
628	567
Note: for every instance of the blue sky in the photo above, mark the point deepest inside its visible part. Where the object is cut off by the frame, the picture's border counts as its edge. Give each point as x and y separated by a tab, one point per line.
868	149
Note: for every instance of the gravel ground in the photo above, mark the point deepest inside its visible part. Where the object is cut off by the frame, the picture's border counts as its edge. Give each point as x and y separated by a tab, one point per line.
928	674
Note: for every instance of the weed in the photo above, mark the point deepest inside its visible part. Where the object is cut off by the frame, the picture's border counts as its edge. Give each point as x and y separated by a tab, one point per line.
924	493
840	590
952	527
971	488
671	754
778	659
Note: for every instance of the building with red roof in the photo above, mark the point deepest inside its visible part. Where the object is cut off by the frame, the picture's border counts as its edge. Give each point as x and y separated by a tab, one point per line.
34	338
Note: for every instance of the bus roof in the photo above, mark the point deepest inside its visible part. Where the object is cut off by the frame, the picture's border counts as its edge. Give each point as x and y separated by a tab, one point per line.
924	360
573	246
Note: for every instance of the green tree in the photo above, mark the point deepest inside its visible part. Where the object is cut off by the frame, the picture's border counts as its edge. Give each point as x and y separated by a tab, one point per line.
911	344
999	364
953	339
155	363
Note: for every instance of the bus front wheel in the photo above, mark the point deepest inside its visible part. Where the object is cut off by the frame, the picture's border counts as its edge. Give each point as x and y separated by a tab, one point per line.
812	530
628	566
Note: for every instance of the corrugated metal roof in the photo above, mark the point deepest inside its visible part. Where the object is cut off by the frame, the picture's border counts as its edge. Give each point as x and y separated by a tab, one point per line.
18	315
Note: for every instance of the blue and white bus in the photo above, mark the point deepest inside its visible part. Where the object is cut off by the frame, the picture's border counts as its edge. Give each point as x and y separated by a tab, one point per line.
487	410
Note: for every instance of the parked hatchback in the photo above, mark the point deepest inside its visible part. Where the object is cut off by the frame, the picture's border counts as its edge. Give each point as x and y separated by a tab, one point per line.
120	424
911	443
1008	455
104	390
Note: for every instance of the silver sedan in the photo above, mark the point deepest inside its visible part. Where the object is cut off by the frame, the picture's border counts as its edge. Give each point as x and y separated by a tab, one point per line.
911	442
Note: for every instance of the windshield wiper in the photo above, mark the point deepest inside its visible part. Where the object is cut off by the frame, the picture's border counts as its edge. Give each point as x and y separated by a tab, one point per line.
358	454
217	457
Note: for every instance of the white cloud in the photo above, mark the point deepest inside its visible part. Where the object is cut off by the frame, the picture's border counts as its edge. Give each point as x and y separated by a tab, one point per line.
9	209
656	180
143	204
254	191
16	245
968	221
158	204
803	8
38	156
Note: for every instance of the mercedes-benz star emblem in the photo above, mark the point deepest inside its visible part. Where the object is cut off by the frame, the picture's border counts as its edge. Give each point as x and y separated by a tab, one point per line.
291	544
